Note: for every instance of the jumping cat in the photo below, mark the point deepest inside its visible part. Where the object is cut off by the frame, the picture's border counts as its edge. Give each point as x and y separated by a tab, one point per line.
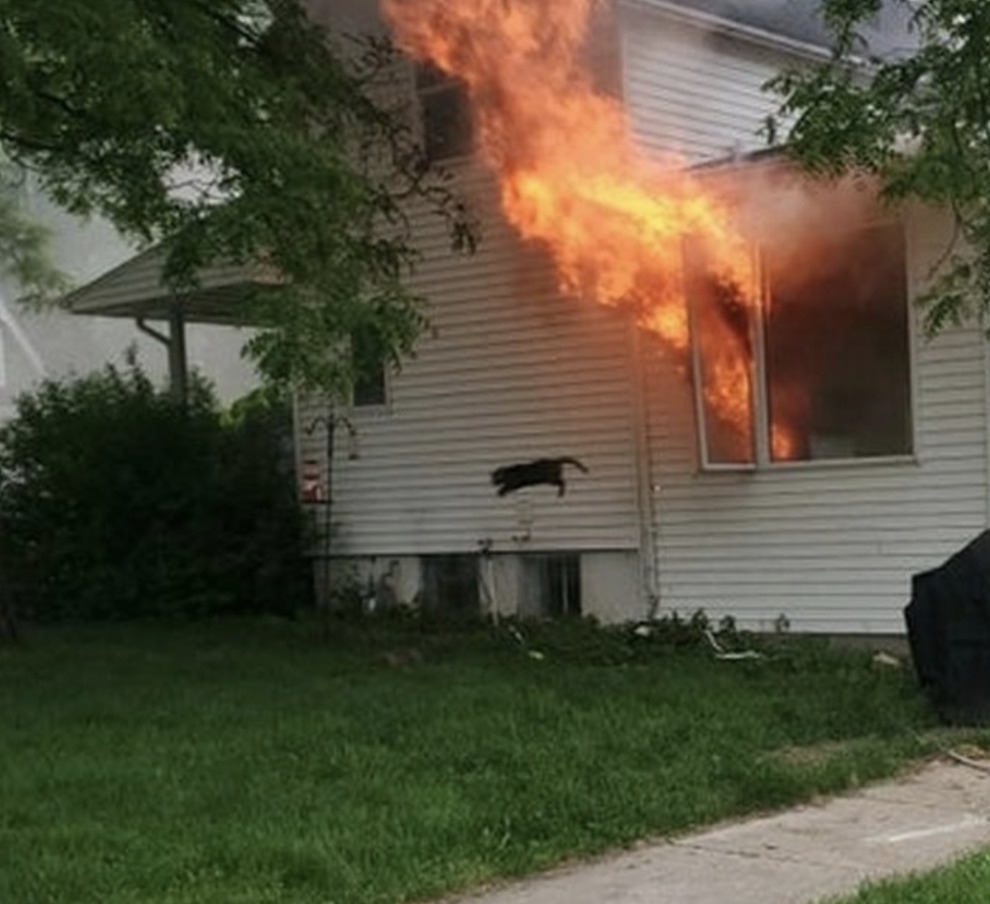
548	471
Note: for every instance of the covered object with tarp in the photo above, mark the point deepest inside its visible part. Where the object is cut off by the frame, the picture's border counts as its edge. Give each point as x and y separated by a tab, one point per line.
948	622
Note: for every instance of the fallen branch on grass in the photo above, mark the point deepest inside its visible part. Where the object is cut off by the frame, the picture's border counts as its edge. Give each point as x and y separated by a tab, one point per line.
981	765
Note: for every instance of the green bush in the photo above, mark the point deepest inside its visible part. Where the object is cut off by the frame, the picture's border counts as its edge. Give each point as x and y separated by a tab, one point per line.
115	502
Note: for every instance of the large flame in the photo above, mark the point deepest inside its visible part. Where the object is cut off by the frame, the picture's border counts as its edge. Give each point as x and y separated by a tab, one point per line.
571	178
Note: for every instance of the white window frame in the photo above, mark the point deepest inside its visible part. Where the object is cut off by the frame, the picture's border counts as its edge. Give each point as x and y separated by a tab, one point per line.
698	381
383	405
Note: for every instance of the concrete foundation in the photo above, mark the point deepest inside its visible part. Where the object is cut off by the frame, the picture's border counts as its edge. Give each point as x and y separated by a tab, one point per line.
602	585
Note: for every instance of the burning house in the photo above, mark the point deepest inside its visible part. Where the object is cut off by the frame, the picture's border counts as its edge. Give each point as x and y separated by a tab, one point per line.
729	352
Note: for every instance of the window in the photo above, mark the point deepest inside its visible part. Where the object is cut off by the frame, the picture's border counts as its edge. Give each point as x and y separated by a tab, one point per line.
820	368
551	586
450	584
447	121
370	376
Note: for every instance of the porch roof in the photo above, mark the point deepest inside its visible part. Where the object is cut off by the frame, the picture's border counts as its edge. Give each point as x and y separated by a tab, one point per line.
135	289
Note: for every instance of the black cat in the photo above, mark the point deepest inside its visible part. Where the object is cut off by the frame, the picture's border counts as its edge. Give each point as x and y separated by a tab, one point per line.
548	471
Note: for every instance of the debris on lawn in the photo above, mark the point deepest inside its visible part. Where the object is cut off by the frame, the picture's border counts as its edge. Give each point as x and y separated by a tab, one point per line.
886	660
729	655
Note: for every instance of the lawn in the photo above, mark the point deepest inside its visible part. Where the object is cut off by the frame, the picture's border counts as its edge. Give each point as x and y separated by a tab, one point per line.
962	883
255	762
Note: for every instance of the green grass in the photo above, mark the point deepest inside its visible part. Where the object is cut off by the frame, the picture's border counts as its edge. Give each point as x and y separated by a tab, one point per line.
965	882
250	763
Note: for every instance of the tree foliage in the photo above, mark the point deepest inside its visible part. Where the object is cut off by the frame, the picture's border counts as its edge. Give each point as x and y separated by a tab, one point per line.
116	502
24	257
917	118
231	130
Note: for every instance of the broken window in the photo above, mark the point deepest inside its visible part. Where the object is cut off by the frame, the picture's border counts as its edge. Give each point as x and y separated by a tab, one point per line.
447	122
723	328
819	367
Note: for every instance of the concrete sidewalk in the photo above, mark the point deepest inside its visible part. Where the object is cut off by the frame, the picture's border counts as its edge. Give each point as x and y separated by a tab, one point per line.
797	857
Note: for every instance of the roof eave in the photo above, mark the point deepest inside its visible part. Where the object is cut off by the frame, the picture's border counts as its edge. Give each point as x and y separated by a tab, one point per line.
217	299
712	23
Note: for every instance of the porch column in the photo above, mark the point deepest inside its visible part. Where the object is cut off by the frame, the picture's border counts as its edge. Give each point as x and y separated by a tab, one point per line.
177	373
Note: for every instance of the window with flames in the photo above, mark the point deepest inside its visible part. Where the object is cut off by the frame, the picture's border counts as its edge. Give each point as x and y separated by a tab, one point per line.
819	369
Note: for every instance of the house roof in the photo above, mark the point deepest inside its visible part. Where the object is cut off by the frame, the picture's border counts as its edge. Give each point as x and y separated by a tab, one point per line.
136	289
887	34
801	20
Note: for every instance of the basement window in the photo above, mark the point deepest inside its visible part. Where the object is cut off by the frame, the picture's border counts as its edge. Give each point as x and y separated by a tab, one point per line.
450	584
448	130
819	369
550	586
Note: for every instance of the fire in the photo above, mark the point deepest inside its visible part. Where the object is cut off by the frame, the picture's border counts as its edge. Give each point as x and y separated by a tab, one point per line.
614	221
783	443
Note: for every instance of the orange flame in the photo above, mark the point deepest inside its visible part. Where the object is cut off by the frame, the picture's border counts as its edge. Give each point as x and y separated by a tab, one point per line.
570	176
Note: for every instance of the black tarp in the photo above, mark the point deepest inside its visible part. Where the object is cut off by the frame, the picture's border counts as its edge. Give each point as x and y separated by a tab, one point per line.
948	623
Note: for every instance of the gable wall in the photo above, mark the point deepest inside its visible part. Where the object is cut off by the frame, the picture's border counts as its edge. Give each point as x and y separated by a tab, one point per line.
691	92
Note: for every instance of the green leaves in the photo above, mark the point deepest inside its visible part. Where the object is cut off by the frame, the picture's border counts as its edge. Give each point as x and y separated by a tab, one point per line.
917	119
117	503
230	130
24	246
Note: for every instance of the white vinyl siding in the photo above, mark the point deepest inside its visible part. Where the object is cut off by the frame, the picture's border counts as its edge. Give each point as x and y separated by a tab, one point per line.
511	371
692	93
831	546
508	371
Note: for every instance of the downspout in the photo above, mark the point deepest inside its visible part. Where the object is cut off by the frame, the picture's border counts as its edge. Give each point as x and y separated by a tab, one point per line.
644	476
151	331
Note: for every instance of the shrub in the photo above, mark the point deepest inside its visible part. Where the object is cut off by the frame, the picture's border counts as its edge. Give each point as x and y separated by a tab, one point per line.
115	502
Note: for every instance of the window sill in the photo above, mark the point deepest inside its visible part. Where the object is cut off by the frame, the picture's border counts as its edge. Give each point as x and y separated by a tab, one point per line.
880	461
373	411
